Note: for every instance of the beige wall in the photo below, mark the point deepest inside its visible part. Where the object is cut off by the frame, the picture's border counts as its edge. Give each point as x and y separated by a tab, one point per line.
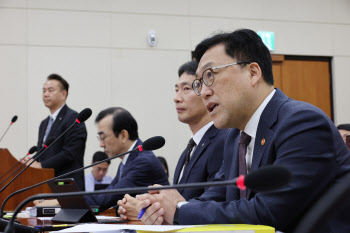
100	47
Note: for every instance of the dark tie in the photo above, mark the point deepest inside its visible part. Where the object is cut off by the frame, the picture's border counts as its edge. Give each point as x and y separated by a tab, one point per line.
243	143
121	168
190	146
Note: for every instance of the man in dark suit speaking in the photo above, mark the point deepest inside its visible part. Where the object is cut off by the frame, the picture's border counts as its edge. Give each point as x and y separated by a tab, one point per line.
235	81
67	153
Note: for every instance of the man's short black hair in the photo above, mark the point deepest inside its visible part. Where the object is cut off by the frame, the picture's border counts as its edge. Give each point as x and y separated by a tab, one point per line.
122	120
64	83
99	156
188	68
344	127
244	45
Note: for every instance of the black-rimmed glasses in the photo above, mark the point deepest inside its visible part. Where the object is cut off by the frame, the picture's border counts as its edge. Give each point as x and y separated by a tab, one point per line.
208	77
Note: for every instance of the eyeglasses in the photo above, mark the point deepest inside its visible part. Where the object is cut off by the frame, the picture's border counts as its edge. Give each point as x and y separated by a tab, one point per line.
208	77
101	137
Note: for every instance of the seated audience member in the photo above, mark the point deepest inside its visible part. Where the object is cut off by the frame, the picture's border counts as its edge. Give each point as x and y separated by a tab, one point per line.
202	158
98	172
235	81
344	130
162	160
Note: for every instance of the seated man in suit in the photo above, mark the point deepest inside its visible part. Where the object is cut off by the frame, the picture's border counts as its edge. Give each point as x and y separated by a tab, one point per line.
197	164
98	172
67	153
235	81
118	133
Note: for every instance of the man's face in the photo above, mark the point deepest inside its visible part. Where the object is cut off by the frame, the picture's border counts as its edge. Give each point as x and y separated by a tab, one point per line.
108	141
228	98
99	171
54	95
189	106
344	133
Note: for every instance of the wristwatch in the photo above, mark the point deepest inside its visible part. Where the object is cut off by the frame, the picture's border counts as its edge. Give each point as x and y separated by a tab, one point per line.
176	215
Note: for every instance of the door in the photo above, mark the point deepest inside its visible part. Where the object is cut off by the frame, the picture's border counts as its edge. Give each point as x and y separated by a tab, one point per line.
306	79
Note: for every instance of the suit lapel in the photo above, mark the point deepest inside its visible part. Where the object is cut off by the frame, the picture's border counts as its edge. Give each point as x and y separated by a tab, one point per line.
131	157
264	132
179	167
202	145
58	121
42	130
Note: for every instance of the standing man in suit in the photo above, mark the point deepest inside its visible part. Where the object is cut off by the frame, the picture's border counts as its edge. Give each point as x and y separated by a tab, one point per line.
67	153
235	81
118	133
202	158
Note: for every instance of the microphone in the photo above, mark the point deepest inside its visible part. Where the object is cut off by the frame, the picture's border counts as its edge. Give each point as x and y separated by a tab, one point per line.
82	116
31	151
272	177
14	119
153	143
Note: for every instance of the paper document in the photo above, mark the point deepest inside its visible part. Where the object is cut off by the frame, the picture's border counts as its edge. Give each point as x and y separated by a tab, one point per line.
110	228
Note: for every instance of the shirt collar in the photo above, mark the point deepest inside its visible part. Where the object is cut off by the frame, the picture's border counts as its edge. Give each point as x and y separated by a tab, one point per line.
127	155
55	114
252	125
200	133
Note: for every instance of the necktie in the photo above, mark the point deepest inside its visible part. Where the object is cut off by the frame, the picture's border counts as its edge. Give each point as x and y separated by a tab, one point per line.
121	168
190	146
244	140
48	128
189	149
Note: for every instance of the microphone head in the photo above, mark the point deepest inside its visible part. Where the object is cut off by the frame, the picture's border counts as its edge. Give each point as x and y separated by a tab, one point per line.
84	115
153	143
267	178
14	119
32	150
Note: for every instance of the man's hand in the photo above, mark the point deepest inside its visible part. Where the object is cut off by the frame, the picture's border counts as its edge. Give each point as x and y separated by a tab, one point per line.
161	208
127	208
52	202
35	164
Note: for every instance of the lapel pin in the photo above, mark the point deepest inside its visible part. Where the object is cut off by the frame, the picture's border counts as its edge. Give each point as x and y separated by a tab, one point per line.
203	144
263	141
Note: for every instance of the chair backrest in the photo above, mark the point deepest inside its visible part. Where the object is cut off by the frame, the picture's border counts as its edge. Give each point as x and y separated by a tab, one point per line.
347	141
327	206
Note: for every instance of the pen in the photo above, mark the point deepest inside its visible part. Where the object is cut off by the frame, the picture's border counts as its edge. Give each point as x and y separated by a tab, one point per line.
142	212
60	225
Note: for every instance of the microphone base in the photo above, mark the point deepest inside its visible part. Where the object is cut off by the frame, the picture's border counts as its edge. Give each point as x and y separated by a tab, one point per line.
74	216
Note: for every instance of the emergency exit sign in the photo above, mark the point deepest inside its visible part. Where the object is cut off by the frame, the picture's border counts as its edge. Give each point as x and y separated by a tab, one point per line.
268	38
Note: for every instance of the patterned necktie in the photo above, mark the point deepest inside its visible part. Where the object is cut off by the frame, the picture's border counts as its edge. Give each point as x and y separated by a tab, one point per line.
244	140
48	128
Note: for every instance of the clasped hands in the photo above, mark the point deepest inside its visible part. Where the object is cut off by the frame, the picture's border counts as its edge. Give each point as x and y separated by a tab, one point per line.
161	206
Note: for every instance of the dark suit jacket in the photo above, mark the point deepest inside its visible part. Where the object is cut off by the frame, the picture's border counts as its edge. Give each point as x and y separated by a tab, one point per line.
299	137
67	153
205	162
141	170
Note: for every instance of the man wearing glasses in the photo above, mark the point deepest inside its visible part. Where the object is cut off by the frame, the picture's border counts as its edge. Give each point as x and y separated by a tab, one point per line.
118	133
235	81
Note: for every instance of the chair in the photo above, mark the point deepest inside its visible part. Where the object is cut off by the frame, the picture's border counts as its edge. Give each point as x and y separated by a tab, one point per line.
335	199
